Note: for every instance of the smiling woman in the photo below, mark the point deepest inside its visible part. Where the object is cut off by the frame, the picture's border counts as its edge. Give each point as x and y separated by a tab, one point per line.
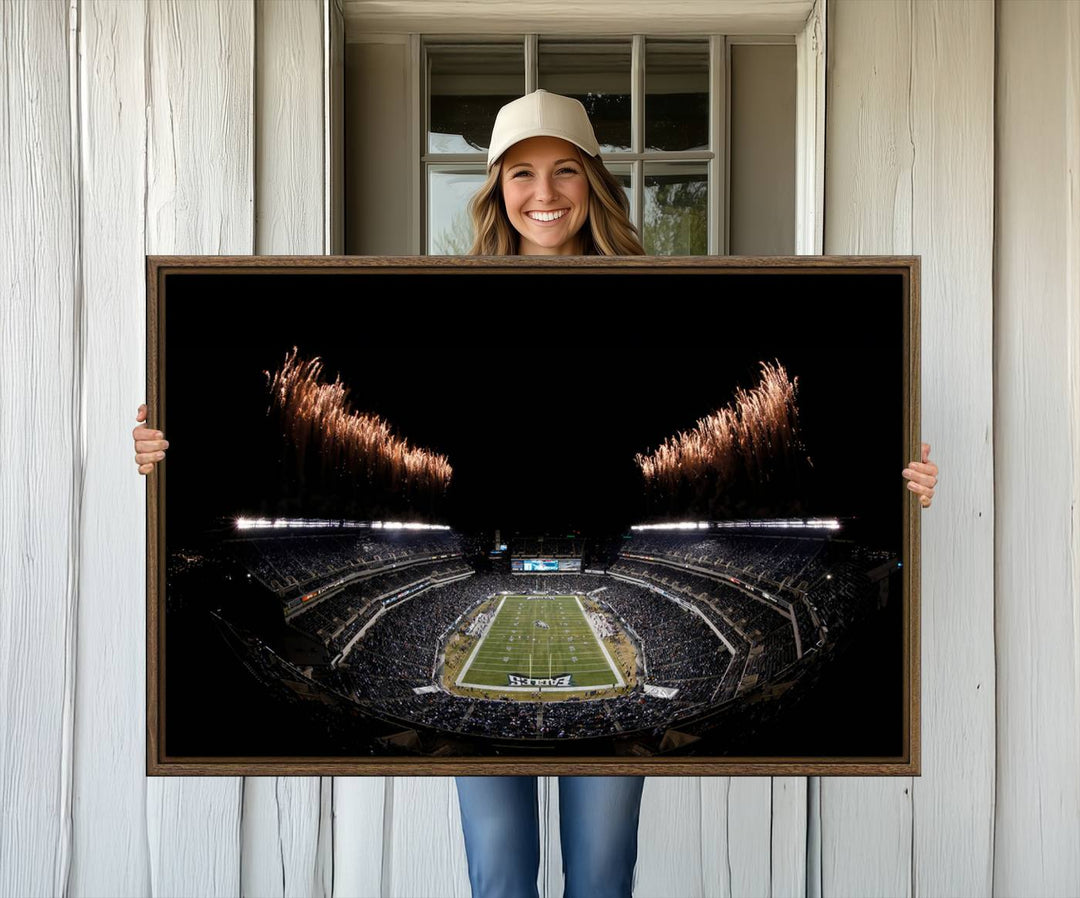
548	192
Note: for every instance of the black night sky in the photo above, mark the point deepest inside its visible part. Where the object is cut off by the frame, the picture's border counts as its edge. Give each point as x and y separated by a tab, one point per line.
538	387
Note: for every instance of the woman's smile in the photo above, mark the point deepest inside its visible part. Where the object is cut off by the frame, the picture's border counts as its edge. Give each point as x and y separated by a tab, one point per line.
553	215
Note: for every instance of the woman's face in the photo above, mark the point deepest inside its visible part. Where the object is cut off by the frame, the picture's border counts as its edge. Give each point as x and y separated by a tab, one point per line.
546	195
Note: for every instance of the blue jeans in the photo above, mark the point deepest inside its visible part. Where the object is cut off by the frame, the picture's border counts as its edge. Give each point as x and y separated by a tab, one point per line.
598	817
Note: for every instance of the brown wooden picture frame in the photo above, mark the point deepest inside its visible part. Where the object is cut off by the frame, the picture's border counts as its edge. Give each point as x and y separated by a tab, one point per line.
235	278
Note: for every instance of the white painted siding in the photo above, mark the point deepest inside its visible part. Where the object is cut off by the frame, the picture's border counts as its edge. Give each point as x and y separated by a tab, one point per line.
284	848
109	826
135	127
1037	362
200	199
909	169
423	847
40	446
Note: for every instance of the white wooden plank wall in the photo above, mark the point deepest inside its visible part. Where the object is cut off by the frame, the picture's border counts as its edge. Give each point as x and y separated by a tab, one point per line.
40	447
952	226
109	850
361	807
868	158
289	127
909	156
423	849
788	838
670	837
200	128
286	848
1037	363
199	197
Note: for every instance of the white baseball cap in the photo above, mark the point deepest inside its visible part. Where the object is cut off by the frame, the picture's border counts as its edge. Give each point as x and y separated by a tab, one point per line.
541	114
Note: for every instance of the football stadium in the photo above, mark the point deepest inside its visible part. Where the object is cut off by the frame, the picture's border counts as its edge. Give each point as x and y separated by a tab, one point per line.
623	573
654	642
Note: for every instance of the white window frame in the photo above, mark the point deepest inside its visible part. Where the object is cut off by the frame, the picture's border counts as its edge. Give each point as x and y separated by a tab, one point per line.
809	41
636	158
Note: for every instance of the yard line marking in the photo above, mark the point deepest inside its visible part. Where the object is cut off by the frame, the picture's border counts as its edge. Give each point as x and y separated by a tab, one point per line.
476	649
614	668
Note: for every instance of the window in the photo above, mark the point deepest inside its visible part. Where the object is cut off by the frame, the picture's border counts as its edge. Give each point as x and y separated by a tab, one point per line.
658	106
700	130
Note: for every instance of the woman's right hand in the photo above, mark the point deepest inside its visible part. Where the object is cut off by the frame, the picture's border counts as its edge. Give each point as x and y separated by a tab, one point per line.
150	445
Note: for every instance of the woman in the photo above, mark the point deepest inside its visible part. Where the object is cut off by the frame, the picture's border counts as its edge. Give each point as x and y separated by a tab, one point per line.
548	193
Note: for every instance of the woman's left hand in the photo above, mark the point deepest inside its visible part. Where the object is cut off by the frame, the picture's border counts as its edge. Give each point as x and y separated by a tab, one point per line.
922	477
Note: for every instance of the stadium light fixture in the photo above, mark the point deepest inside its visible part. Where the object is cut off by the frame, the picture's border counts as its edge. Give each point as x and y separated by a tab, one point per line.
680	525
779	524
406	525
243	523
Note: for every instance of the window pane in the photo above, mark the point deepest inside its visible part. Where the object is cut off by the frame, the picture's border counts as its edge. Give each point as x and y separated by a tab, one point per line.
467	86
623	175
450	231
676	209
676	95
597	74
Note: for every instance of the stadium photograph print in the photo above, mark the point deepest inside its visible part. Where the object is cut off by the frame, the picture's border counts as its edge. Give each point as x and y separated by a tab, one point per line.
555	507
398	540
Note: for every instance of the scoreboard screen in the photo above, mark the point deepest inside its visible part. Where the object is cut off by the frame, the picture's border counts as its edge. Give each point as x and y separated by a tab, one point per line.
535	565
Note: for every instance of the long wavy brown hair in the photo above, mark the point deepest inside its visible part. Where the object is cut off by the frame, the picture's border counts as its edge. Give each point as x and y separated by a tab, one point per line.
607	231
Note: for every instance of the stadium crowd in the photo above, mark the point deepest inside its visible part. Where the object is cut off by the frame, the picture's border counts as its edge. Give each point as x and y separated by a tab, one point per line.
777	560
290	564
702	638
337	618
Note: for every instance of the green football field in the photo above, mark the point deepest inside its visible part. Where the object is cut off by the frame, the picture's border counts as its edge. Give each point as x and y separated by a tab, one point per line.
536	638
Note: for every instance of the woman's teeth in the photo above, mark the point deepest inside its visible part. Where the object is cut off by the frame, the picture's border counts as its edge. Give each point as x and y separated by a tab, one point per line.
546	216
